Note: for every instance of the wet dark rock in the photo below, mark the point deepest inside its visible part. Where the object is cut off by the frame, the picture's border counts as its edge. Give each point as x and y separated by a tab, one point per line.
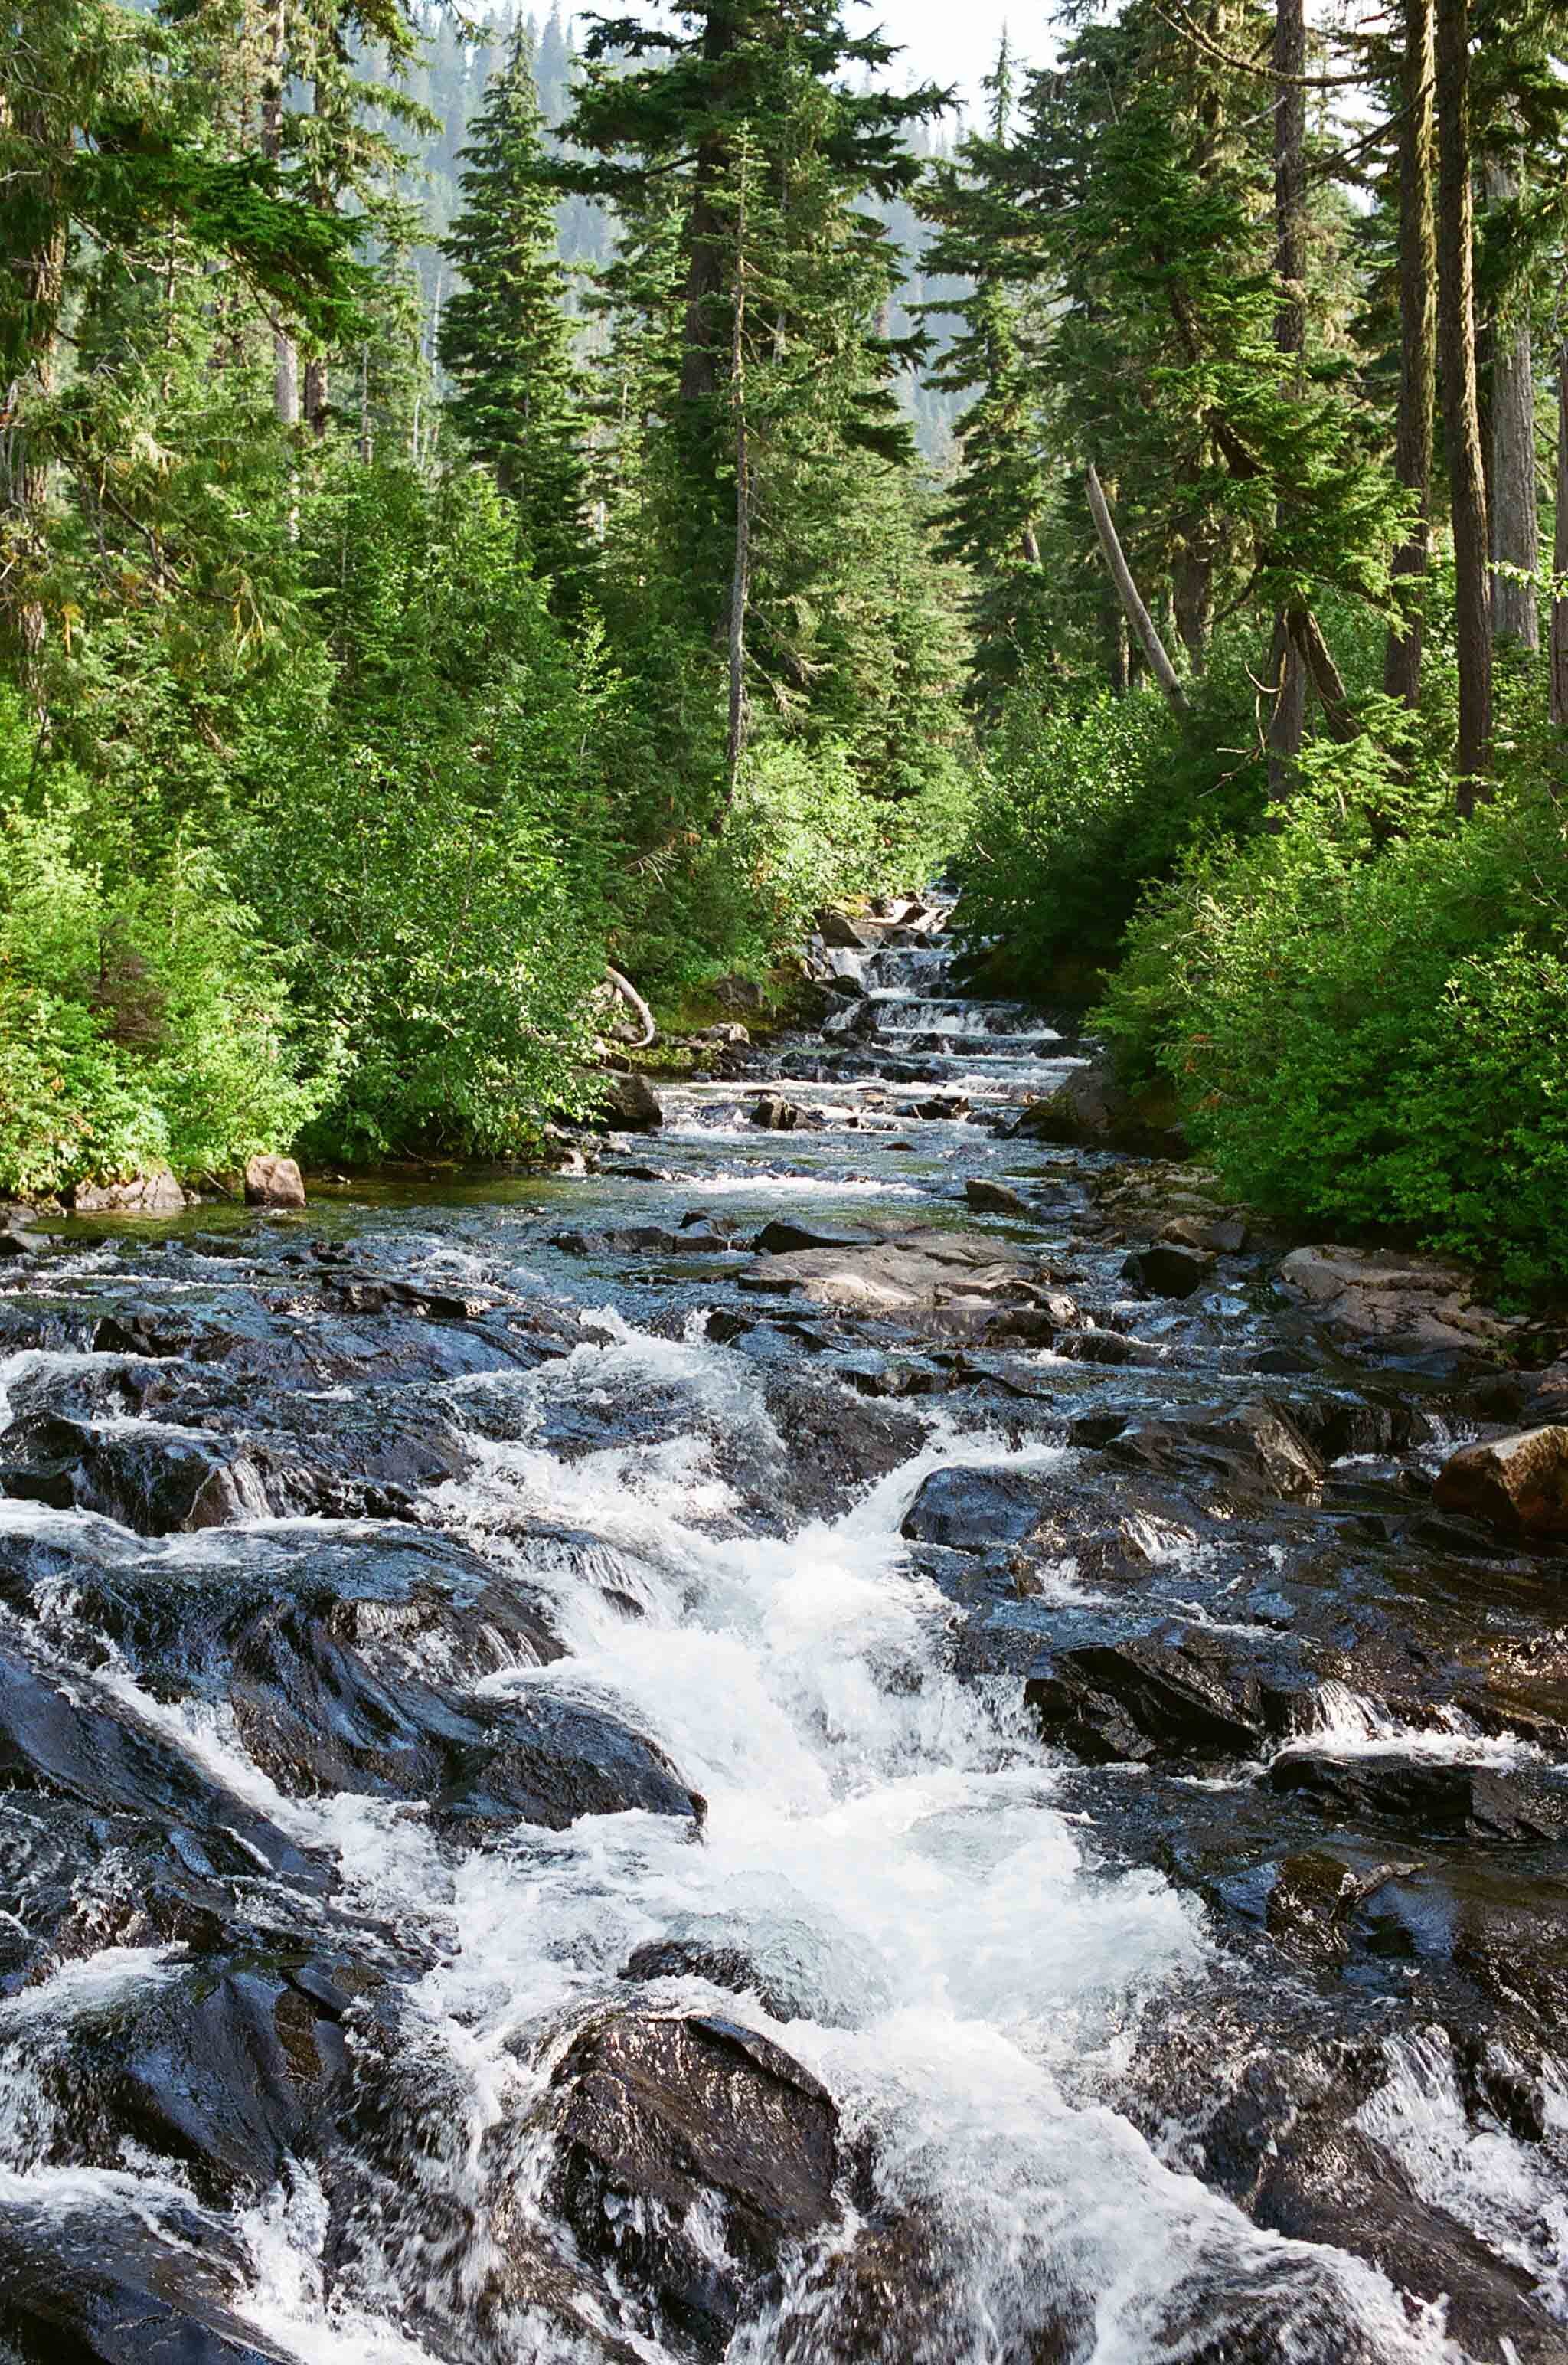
628	1104
1166	1270
783	1235
224	2070
1255	1449
1428	1795
995	1199
1518	1481
896	2292
551	1761
662	2122
771	1113
1092	1345
974	1511
61	1740
1093	1111
1179	1692
96	2286
841	934
1316	1896
720	1966
834	1443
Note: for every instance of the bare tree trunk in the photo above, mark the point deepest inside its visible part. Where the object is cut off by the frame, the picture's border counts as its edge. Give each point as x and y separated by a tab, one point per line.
285	356
316	404
38	287
1515	528
1318	658
1118	655
1138	617
1193	589
1560	552
1288	720
1461	424
1418	334
1287	710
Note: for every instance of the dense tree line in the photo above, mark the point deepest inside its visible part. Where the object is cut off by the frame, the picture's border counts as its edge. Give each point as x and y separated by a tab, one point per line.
463	520
375	669
1266	358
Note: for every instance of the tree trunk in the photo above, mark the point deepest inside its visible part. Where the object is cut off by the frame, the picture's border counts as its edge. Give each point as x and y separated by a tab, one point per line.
1516	532
1193	589
1288	720
1461	424
1560	552
1417	336
1138	617
315	397
1318	658
285	356
1287	710
740	573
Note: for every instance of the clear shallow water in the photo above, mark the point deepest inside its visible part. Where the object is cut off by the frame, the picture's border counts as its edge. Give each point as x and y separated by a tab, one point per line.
937	1936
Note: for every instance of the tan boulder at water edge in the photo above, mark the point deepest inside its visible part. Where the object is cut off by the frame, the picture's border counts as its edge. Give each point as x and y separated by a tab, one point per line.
1519	1482
157	1193
274	1183
1383	1294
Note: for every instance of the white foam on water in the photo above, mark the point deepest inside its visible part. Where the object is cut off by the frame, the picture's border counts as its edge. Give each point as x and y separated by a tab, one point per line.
1512	2195
1345	1723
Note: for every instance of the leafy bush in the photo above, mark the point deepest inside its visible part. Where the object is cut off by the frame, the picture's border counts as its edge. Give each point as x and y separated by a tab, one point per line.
1082	804
802	832
1366	1013
140	1022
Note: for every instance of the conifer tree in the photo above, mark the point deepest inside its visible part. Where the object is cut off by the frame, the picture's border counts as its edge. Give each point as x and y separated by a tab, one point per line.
995	505
507	336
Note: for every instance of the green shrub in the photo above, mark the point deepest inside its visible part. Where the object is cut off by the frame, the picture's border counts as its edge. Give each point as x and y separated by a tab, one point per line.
1366	1013
802	832
1082	805
139	1022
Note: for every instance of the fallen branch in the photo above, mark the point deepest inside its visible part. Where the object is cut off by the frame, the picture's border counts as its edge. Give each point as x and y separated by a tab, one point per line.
630	995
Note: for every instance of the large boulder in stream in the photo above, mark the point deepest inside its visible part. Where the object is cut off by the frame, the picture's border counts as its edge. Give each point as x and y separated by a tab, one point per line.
691	2154
84	2281
156	1193
628	1104
1178	1694
1517	1483
1091	1111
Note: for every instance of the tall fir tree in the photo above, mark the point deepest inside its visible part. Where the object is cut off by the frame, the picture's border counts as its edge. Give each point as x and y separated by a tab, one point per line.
507	335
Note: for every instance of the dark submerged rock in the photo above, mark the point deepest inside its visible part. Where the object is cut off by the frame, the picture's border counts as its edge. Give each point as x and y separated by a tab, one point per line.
658	2118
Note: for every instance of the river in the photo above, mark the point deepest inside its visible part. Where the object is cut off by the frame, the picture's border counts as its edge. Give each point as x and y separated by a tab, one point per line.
560	1802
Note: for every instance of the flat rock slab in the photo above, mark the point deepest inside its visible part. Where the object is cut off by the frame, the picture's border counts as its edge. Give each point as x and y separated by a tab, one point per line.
907	1273
1379	1295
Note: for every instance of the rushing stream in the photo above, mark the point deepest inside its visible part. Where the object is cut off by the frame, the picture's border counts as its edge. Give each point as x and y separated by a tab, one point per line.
570	1795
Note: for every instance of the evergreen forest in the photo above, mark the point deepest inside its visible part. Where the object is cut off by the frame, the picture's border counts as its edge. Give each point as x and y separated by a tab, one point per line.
481	506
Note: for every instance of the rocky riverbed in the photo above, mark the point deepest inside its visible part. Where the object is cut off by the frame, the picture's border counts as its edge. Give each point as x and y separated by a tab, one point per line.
862	1735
